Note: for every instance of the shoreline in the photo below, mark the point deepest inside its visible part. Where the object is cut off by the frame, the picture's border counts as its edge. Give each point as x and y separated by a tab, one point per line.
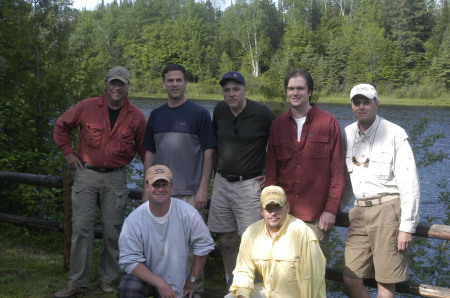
384	100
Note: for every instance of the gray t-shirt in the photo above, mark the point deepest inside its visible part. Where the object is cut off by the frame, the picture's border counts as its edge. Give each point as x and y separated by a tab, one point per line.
164	246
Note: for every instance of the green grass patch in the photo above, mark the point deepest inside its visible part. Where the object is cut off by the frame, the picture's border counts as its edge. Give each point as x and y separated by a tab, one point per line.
31	265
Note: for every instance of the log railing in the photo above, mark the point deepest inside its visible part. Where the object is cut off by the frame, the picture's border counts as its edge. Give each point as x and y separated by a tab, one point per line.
423	229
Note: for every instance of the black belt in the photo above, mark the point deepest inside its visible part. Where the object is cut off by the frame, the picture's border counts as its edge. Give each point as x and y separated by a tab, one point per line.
103	170
236	178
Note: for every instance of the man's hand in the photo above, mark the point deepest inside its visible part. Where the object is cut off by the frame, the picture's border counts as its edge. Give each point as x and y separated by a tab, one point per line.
189	288
74	161
201	198
326	221
165	290
403	240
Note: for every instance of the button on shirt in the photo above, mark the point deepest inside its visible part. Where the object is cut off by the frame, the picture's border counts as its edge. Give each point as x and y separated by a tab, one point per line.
291	264
391	168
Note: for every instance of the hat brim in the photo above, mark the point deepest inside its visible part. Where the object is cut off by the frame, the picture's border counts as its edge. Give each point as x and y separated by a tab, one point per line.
273	201
365	95
117	78
223	81
156	178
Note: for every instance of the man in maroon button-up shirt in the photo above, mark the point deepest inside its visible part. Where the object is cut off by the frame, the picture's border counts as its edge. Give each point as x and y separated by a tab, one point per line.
305	157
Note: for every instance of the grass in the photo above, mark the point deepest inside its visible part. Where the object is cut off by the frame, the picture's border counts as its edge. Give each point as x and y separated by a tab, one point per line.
384	100
31	265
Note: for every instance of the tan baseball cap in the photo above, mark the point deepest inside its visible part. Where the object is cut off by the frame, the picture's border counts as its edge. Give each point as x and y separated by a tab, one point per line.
273	195
158	172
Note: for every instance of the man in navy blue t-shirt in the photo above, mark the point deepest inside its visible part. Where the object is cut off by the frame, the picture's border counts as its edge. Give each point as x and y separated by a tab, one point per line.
180	136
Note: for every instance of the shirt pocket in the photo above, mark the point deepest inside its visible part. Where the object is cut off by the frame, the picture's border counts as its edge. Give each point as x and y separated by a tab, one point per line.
95	134
283	148
380	165
126	139
317	147
288	270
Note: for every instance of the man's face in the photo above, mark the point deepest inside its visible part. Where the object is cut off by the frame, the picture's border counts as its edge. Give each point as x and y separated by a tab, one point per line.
233	93
116	91
274	215
297	92
364	109
159	192
175	84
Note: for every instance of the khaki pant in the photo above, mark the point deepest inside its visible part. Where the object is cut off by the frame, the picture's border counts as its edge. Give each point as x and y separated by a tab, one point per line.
109	191
371	244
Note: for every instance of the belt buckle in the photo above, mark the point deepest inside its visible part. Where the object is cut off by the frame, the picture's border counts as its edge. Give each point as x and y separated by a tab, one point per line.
232	178
368	203
102	170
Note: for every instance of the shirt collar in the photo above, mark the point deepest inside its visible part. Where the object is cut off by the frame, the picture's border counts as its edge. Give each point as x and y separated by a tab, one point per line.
372	129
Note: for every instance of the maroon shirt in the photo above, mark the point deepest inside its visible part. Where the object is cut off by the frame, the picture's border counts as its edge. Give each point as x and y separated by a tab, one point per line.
311	171
98	145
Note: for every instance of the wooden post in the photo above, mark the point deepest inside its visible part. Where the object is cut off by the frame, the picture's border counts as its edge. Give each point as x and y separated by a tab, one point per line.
67	194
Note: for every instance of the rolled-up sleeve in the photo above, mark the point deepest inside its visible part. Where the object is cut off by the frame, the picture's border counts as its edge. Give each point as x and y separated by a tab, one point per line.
131	248
200	240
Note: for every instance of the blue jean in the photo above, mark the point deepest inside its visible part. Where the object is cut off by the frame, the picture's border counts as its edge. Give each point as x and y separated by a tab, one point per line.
108	191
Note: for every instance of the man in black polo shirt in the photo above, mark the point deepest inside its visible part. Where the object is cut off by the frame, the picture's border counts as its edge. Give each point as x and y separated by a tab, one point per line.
242	127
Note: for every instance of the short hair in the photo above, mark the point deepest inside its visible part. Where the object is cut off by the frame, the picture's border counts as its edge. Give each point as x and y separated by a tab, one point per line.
299	72
172	67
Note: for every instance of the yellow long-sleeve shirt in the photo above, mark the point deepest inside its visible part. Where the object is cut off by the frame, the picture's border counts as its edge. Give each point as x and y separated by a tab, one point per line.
291	264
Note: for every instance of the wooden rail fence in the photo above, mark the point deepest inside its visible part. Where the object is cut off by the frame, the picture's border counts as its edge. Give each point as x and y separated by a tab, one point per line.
423	229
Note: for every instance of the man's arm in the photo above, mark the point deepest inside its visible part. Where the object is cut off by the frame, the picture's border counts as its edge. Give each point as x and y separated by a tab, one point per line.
197	265
143	273
337	178
201	197
314	264
139	137
64	126
244	273
148	162
271	177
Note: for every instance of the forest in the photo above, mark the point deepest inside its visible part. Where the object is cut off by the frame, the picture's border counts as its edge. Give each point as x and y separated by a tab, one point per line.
52	56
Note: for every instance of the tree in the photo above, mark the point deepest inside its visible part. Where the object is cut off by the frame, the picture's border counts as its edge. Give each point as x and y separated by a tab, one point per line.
36	80
409	23
248	23
441	63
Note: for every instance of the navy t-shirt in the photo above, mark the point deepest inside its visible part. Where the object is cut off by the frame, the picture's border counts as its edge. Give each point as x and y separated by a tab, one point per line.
178	136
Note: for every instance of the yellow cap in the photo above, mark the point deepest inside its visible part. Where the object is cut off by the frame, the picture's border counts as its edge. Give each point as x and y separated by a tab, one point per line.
273	195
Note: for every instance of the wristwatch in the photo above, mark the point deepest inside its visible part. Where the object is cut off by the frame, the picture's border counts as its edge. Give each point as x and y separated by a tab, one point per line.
193	279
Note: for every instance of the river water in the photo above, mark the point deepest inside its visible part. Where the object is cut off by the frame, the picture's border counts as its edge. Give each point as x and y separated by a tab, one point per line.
406	117
430	207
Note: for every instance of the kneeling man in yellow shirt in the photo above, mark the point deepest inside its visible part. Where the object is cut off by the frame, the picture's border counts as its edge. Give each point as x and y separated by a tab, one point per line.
282	251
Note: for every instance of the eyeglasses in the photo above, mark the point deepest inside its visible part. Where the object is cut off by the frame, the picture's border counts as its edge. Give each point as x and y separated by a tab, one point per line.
235	130
273	208
356	162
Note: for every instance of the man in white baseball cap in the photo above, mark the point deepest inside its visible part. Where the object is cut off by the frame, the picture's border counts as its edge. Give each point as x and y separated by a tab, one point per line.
384	179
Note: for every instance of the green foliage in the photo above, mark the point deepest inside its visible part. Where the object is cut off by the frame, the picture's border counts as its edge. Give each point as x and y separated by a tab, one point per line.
423	144
430	258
